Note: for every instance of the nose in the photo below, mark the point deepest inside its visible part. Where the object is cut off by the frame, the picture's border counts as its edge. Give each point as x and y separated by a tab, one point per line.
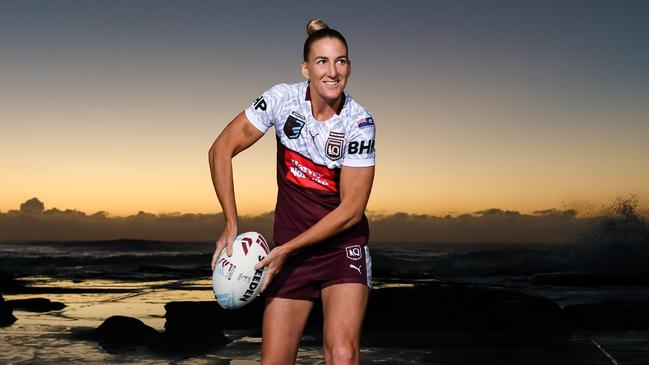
332	70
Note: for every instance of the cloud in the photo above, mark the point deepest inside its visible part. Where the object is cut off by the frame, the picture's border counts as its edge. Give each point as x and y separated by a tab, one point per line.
490	225
33	205
55	224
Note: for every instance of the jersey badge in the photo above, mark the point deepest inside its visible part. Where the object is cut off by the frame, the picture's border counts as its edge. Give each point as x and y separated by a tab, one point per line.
293	126
365	122
334	146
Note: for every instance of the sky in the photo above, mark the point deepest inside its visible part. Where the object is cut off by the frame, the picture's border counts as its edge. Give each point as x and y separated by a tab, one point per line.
519	105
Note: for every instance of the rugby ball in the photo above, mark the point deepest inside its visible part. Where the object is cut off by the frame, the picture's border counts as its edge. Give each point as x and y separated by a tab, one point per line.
234	279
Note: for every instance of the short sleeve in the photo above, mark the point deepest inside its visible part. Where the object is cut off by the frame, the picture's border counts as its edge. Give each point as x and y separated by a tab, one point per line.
262	113
360	148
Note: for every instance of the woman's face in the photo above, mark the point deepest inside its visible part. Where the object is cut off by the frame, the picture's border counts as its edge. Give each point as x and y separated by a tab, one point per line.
327	68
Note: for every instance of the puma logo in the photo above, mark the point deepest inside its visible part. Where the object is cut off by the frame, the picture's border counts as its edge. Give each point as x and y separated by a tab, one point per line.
313	135
357	268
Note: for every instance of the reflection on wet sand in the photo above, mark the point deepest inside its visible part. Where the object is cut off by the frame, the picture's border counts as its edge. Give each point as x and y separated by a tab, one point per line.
53	336
447	304
141	300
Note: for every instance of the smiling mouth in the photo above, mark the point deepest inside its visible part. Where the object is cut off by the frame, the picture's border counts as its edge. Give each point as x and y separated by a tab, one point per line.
331	83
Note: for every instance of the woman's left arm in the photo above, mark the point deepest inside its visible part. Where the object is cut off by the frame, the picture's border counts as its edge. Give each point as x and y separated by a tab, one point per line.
355	188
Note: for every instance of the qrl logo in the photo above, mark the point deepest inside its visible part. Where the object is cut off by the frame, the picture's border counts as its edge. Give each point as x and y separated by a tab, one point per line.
354	252
334	146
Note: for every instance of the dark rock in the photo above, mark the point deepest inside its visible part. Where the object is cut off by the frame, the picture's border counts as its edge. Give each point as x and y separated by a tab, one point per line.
421	308
6	316
207	316
194	338
8	283
35	305
589	279
119	333
454	306
118	330
610	314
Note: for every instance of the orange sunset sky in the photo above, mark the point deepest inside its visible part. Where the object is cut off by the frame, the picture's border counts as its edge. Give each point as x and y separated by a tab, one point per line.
112	106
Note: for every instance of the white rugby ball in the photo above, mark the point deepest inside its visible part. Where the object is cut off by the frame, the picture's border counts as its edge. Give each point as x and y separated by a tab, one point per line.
234	279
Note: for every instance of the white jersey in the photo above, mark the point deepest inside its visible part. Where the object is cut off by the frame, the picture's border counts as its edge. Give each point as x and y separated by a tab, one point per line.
310	154
347	138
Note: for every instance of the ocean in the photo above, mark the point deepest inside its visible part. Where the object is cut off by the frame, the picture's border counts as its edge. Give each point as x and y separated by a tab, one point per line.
462	285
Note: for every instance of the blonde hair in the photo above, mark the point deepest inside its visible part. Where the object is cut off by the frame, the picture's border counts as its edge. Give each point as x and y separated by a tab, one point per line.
318	29
315	25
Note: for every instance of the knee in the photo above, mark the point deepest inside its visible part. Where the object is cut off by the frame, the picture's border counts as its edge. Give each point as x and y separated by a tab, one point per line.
342	354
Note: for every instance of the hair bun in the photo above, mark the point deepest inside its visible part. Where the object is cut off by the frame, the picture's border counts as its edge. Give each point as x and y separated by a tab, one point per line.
315	25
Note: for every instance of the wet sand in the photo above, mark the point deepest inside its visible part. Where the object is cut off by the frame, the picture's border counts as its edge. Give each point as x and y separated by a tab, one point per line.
464	305
42	338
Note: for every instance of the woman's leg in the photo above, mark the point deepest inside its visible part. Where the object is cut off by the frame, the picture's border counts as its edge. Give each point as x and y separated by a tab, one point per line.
284	321
344	307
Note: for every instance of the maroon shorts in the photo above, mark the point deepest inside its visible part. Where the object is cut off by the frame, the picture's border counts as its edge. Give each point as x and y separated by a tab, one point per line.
309	271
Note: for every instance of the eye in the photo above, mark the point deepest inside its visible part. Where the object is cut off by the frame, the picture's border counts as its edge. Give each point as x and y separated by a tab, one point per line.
320	61
342	61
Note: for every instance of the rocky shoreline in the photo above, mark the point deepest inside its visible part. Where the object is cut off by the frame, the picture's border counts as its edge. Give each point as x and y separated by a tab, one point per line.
396	316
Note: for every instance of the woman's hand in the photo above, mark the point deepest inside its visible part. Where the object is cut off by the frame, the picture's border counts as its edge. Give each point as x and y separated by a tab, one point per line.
225	240
274	260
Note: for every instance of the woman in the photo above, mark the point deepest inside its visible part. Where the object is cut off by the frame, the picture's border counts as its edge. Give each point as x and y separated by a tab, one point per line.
325	170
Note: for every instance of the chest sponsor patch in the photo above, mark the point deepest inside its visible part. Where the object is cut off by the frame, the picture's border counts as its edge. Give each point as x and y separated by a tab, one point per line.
303	172
334	145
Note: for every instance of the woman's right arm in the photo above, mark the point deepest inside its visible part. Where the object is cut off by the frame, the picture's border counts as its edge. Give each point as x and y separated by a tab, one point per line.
238	135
